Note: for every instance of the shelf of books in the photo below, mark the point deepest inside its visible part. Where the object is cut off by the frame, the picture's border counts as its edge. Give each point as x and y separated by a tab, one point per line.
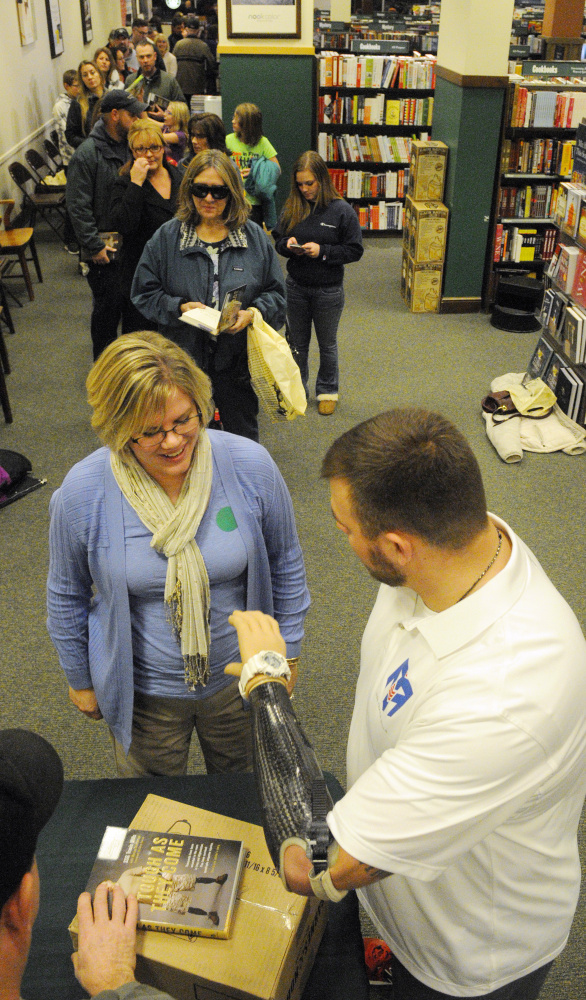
537	148
559	357
370	108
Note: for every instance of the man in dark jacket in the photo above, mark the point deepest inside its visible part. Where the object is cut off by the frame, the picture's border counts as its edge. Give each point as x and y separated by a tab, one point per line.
196	65
151	82
92	172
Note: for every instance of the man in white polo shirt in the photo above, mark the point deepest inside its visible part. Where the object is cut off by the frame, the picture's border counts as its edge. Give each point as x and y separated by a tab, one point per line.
466	753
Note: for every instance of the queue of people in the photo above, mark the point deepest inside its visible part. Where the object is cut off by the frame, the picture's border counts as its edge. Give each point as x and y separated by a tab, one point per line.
180	542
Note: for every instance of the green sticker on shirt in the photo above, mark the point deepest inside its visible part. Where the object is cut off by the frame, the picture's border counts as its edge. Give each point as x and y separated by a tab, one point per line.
225	519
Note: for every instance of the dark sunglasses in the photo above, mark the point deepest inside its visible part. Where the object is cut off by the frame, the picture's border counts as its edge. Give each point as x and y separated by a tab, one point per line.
217	191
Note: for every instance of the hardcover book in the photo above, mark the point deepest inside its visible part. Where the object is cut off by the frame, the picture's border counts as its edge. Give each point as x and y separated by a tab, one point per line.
184	884
539	359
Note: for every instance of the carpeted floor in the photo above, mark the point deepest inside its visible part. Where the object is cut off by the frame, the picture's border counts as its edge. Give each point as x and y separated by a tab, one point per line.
388	358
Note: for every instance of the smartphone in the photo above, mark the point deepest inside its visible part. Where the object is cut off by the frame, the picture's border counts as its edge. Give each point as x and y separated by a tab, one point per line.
296	248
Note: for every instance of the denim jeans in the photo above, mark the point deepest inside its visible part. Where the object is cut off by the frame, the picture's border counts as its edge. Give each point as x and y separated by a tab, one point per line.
323	306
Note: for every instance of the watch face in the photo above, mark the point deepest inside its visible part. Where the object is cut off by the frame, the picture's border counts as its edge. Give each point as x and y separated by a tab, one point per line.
173	4
272	659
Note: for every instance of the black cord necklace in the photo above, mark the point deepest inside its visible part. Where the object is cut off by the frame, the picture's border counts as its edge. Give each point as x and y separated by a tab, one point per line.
484	572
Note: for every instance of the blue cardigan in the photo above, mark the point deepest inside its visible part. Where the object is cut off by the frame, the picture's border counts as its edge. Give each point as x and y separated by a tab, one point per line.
88	605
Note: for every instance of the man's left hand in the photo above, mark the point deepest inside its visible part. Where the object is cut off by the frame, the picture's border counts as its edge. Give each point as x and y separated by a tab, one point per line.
243	319
106	956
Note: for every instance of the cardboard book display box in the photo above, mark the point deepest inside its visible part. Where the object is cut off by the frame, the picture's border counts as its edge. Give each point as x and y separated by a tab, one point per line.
425	230
275	934
427	170
421	285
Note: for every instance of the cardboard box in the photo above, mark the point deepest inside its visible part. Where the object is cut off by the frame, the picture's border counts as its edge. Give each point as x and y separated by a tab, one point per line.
275	934
421	285
427	228
427	170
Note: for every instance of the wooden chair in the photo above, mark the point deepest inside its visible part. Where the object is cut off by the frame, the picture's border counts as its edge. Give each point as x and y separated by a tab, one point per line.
14	243
4	370
53	153
43	202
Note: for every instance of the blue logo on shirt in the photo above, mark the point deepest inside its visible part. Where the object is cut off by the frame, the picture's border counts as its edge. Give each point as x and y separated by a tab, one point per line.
399	690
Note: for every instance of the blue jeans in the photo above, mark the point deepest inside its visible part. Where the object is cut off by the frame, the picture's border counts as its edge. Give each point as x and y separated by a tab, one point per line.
323	306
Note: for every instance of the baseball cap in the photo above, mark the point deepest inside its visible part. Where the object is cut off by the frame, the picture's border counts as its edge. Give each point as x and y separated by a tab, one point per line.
119	33
31	781
191	21
122	100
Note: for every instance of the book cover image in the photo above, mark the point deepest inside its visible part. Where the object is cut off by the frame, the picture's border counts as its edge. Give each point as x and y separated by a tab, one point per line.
184	884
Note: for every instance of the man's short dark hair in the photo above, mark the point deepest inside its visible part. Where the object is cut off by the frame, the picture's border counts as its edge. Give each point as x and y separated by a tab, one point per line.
140	22
146	41
411	470
177	19
69	77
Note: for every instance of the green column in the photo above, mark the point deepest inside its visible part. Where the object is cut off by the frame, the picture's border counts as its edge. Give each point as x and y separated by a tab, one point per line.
283	87
468	120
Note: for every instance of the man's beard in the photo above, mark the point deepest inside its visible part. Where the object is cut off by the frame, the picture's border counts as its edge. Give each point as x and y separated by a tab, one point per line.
383	570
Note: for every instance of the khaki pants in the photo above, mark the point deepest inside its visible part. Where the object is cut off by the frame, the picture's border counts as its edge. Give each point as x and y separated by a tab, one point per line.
162	729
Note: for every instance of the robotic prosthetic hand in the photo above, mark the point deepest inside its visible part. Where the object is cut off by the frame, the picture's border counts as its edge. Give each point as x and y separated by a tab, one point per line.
291	787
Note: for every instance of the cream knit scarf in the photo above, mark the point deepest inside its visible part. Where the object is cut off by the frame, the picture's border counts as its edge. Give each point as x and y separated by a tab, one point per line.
187	587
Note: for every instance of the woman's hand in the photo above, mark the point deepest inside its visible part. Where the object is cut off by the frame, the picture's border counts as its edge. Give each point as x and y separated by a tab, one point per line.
311	249
85	700
139	171
191	305
243	319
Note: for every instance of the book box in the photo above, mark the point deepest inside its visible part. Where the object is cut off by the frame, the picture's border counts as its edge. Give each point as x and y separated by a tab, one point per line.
421	284
274	937
425	230
427	170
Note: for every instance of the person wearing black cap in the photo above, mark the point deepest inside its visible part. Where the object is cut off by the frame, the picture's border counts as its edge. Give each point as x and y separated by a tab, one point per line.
196	65
31	781
92	172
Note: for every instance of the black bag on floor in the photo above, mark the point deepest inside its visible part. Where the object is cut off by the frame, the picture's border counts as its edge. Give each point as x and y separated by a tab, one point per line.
15	477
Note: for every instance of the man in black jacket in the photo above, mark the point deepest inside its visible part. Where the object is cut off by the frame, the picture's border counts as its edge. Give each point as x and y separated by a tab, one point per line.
92	172
195	63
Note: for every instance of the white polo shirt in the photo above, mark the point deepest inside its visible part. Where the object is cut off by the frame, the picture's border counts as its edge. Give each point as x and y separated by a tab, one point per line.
467	774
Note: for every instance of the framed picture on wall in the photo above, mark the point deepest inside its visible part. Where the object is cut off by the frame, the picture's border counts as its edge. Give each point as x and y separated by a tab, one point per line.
26	25
55	27
86	21
264	19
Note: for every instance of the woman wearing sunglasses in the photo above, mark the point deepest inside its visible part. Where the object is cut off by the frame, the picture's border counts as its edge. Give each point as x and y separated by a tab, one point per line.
209	249
155	539
144	196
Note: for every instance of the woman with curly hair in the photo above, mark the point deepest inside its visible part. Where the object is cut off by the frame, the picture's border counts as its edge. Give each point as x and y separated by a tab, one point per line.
144	197
319	233
209	249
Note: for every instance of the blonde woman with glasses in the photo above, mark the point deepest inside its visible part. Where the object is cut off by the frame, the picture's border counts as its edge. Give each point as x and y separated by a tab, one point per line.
154	540
144	196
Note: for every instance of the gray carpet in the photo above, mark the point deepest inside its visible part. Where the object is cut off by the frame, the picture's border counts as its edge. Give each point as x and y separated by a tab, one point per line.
388	358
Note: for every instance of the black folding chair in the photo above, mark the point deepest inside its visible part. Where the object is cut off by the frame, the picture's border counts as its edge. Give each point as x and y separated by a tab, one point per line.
39	166
43	202
4	266
4	370
54	137
53	153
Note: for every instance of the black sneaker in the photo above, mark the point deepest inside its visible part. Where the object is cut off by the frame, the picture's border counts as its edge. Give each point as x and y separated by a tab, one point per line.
72	248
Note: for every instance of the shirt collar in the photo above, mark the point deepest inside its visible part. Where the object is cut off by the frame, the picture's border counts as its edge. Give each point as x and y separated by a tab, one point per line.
189	238
450	630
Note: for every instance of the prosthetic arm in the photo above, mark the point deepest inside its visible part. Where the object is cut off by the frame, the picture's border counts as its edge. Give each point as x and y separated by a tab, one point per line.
291	788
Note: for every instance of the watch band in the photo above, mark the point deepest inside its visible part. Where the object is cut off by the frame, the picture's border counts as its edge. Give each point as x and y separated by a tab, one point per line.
266	662
323	887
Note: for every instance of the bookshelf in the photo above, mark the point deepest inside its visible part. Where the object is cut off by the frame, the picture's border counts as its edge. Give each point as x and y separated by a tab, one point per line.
540	118
560	353
372	102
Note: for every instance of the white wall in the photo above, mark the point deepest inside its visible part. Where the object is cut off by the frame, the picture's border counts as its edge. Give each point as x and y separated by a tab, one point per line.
31	80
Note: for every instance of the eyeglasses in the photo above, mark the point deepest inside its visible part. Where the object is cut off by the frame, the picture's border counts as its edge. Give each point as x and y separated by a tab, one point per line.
143	150
217	191
152	439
